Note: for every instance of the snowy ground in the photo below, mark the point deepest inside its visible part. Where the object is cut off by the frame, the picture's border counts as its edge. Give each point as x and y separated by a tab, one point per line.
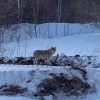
8	74
82	44
14	98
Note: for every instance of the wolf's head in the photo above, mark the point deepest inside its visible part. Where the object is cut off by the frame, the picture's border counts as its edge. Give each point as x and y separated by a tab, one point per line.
52	49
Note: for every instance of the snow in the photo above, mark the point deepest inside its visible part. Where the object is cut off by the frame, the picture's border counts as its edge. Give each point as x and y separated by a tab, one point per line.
47	30
14	98
19	75
82	40
69	45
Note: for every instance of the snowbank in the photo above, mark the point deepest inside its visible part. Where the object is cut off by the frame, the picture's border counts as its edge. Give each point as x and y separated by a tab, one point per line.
30	81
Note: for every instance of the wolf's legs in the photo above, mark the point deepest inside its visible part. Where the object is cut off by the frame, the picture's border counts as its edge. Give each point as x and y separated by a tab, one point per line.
35	61
48	61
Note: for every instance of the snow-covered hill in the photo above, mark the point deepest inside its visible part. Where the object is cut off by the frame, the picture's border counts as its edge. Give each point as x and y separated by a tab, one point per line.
26	31
85	44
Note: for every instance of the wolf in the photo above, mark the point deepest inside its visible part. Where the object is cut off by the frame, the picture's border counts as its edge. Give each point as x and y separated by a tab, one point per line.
43	54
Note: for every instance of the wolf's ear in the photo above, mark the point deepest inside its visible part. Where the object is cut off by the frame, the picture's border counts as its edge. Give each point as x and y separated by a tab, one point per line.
54	47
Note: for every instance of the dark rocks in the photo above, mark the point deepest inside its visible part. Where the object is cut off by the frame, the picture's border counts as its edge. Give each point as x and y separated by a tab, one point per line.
57	60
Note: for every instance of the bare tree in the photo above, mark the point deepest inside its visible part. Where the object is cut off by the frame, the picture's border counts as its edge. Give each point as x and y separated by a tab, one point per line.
20	5
59	10
56	30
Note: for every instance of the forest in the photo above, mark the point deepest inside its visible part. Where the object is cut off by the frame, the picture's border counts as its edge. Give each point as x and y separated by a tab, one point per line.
47	11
